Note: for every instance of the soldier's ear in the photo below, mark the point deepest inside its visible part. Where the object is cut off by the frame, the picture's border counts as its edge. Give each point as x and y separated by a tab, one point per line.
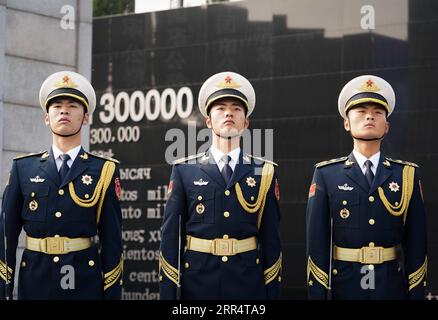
388	125
208	122
246	123
86	118
46	119
347	125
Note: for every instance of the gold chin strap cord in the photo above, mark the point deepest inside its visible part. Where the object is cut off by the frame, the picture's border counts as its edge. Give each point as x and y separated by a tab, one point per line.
407	189
258	206
99	192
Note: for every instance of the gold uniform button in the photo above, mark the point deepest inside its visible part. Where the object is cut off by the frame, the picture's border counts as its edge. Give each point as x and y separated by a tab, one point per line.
279	279
226	214
91	263
86	196
335	272
186	265
371	244
199	198
371	198
224	258
32	194
344	202
61	192
55	259
23	264
227	192
371	267
396	203
257	261
56	235
225	236
372	222
121	282
58	214
161	278
252	198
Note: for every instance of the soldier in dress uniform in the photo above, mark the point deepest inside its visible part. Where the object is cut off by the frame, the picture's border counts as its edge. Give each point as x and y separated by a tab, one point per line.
366	223
220	234
63	198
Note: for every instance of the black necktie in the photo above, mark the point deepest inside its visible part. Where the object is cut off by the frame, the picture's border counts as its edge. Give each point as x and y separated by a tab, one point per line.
226	170
369	173
64	166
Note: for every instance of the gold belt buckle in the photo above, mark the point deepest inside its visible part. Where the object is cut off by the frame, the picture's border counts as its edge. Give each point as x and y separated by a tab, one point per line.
55	245
371	255
224	247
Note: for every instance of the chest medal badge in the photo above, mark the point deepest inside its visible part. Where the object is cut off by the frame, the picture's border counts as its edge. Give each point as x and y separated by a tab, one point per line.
251	182
344	213
200	208
33	205
86	179
394	187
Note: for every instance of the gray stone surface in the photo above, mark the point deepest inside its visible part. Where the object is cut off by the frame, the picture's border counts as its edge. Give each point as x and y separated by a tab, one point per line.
24	78
28	122
85	11
2	80
43	7
26	39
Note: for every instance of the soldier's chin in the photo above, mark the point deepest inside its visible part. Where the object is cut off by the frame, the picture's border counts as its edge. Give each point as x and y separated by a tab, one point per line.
63	131
368	136
228	133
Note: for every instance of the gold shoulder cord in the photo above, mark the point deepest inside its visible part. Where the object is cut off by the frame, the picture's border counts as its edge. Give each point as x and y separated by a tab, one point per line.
407	189
99	192
258	206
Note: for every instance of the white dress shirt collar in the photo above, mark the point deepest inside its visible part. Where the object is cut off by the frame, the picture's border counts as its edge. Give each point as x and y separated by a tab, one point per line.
73	153
360	158
217	155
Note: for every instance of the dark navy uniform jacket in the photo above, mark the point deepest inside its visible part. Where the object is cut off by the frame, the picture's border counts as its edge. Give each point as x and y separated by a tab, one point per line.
36	200
339	191
254	274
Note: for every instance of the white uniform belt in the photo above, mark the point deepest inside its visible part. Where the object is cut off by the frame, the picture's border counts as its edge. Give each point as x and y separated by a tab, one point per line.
57	245
365	255
221	247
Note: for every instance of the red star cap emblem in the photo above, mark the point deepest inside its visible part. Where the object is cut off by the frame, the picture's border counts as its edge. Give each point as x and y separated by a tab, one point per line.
228	79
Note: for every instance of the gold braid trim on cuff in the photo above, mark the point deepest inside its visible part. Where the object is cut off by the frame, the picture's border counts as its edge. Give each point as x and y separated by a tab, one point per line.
3	272
416	277
110	278
169	271
272	272
317	273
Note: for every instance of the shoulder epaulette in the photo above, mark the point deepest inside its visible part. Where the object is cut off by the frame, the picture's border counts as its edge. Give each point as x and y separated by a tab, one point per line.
185	159
324	163
29	155
104	158
403	162
262	159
